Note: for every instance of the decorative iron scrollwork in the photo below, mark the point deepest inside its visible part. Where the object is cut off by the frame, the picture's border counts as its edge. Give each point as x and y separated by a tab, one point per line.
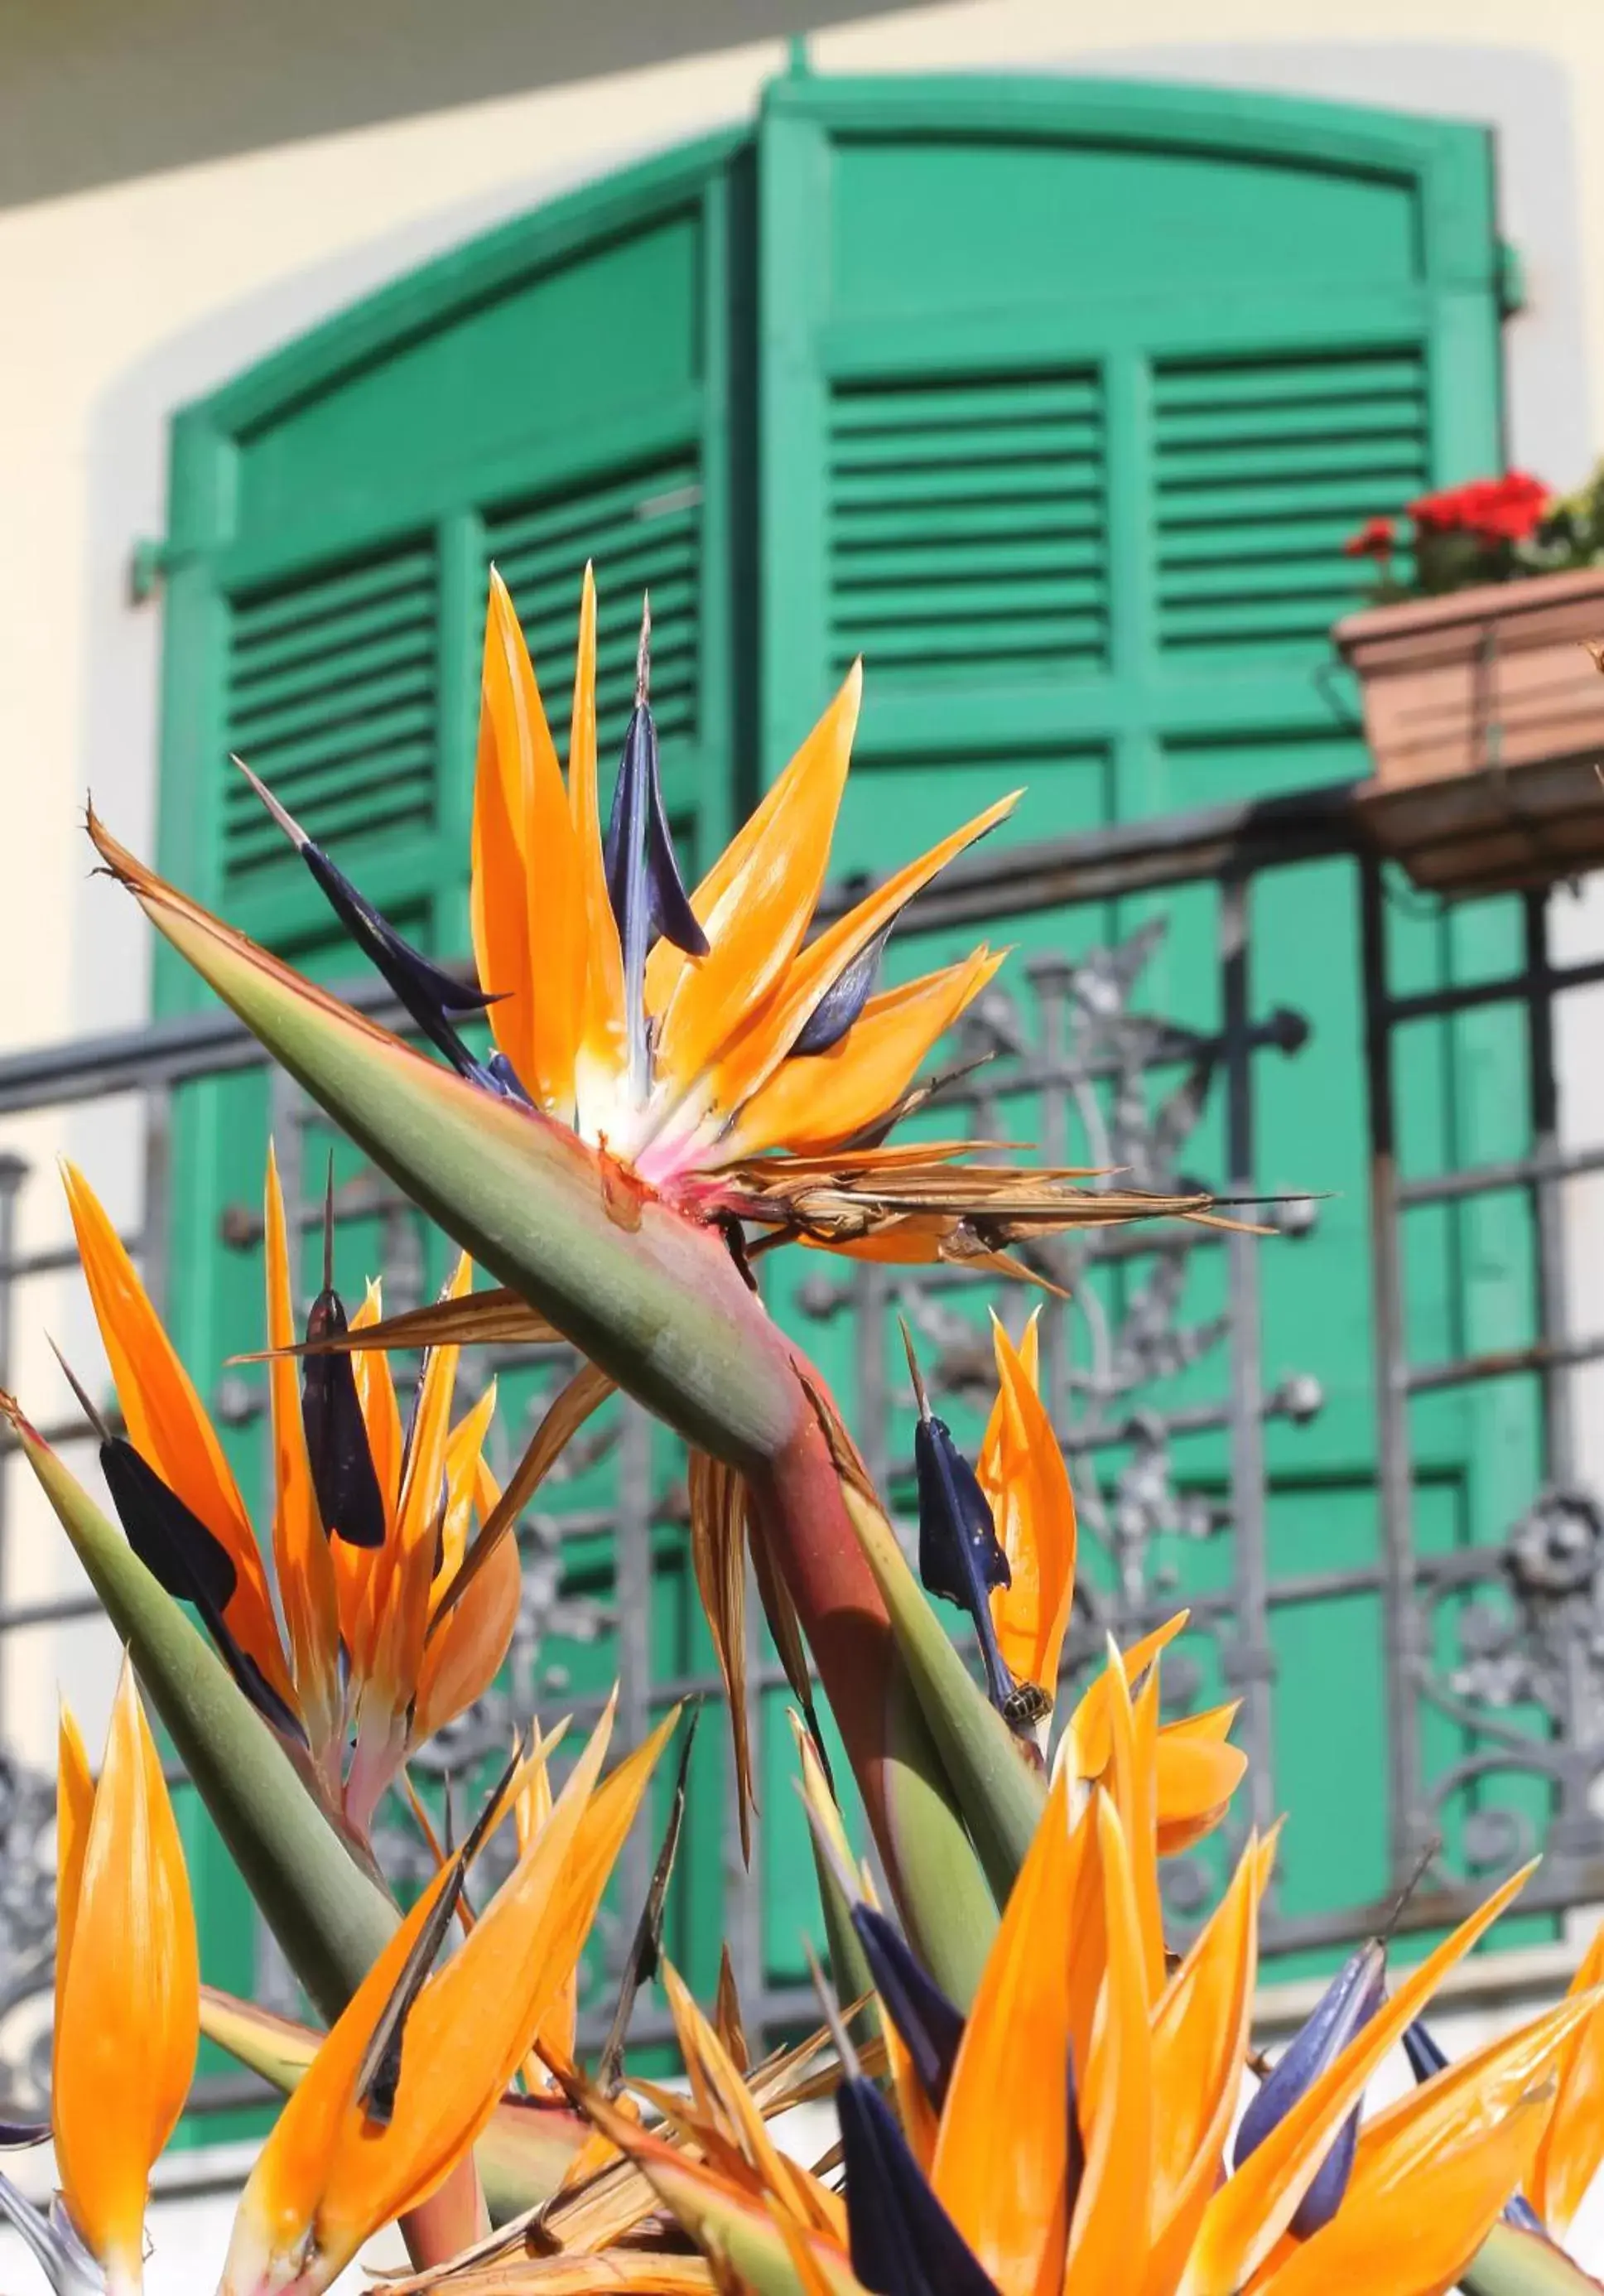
1539	1639
27	1931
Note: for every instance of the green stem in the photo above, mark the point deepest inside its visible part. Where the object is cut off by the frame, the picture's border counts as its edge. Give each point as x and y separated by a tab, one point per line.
449	2220
1512	2263
996	1782
330	1914
930	1864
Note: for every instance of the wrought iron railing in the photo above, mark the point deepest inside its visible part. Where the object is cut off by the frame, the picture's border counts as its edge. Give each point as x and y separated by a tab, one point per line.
1489	1644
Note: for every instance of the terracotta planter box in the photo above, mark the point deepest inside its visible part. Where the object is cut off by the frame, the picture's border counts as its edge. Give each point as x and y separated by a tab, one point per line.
1485	717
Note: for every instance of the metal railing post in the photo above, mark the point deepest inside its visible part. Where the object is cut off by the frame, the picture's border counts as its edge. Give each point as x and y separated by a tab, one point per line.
1250	1661
1394	1471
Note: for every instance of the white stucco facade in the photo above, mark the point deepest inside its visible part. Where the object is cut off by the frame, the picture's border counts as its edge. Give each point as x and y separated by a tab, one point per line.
130	295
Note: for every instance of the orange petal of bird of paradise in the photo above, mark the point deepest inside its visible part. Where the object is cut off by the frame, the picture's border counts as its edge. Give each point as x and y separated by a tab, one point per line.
361	1573
1432	2173
695	1104
1196	1772
602	1056
1572	2145
128	2002
1466	2097
461	1661
74	1808
527	904
1021	1471
756	922
1090	1732
1201	2033
1402	2241
786	811
1247	2216
811	1105
528	1941
1002	2150
329	2173
402	1589
1131	1782
1112	2212
531	1809
168	1423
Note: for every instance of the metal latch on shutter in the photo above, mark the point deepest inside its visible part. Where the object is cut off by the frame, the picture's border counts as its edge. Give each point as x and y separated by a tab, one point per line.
1511	280
148	562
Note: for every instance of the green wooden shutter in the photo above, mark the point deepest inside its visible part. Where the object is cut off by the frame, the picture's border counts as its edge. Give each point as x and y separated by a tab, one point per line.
557	391
1106	365
1070	394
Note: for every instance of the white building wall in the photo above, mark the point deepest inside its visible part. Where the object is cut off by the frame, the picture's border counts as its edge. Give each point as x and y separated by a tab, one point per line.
123	301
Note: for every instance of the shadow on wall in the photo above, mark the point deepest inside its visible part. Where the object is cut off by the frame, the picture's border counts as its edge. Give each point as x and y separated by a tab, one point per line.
99	91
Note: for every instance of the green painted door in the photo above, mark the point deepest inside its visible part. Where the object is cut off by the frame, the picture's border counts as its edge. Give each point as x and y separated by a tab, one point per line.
1070	394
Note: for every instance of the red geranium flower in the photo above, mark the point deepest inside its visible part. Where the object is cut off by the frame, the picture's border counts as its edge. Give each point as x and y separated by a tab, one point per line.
1514	507
1442	513
1374	539
1489	510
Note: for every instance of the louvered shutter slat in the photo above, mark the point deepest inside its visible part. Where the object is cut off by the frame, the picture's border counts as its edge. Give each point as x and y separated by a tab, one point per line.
1026	591
1065	513
1335	379
1261	469
1375	413
965	520
644	532
384	700
1265	460
1017	558
1245	576
332	697
1312	541
920	447
660	499
393	574
330	668
897	479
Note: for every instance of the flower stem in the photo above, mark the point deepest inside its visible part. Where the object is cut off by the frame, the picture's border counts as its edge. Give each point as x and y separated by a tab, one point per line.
449	2221
935	1875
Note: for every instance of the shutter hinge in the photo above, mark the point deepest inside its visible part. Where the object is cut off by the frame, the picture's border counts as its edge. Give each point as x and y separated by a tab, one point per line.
147	563
1511	280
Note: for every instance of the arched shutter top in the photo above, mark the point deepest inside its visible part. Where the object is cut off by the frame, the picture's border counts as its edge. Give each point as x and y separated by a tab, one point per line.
1072	390
556	390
